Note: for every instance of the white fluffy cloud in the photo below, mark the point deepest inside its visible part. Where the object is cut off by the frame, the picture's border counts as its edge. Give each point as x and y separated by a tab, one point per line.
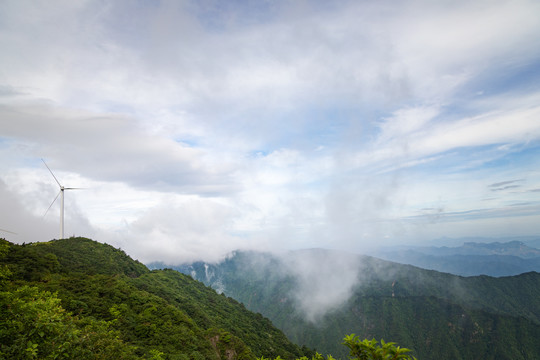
270	124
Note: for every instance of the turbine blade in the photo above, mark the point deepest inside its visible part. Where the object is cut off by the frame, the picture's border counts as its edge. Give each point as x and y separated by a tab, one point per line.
70	188
52	203
11	232
58	182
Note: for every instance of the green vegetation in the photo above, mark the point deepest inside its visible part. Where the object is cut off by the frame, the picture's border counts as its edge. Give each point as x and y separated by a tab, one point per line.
372	350
79	299
35	326
365	350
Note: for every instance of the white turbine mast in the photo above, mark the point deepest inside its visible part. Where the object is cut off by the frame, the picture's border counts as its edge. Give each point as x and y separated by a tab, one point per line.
62	188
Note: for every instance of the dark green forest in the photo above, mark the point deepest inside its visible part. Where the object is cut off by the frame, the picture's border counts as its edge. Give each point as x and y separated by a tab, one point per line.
438	315
79	299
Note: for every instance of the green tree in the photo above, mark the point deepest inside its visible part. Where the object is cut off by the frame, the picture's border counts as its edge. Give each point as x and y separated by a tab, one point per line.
33	325
365	350
4	271
372	350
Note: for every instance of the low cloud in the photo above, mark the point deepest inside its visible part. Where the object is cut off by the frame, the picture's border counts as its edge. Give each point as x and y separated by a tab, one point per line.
320	280
325	279
179	230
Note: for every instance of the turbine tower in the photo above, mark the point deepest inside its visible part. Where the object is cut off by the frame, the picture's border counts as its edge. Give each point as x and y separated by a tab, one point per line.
61	192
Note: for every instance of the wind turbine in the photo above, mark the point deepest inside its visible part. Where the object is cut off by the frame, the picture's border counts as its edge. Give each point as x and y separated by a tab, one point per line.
62	188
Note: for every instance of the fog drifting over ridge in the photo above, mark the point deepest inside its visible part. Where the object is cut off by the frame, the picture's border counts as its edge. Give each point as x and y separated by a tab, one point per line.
325	280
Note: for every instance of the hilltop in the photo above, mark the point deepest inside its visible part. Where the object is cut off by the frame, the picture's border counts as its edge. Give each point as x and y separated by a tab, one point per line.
97	302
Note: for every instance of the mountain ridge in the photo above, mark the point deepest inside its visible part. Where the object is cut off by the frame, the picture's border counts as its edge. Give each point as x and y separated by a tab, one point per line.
439	315
470	259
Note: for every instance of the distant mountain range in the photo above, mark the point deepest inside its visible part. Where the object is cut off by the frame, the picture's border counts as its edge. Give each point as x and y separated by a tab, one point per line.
531	241
315	296
472	258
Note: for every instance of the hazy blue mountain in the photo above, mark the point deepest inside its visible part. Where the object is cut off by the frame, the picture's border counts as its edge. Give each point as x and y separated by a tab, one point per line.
511	248
316	296
531	241
471	258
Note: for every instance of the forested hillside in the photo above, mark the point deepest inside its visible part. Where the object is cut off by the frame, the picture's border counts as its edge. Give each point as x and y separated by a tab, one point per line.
79	299
440	316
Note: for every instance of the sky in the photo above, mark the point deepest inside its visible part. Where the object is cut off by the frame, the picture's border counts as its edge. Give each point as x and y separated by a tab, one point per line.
196	128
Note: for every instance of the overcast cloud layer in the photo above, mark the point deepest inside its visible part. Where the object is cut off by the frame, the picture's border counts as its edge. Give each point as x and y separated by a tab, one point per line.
200	127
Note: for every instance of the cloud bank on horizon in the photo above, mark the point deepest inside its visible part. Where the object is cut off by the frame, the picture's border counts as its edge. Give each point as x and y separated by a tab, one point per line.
200	127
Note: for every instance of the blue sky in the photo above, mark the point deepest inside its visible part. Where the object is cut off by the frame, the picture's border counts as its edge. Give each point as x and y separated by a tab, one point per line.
200	127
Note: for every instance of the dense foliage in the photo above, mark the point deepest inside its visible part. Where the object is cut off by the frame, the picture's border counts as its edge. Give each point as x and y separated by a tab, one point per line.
440	316
365	350
35	326
372	350
79	299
